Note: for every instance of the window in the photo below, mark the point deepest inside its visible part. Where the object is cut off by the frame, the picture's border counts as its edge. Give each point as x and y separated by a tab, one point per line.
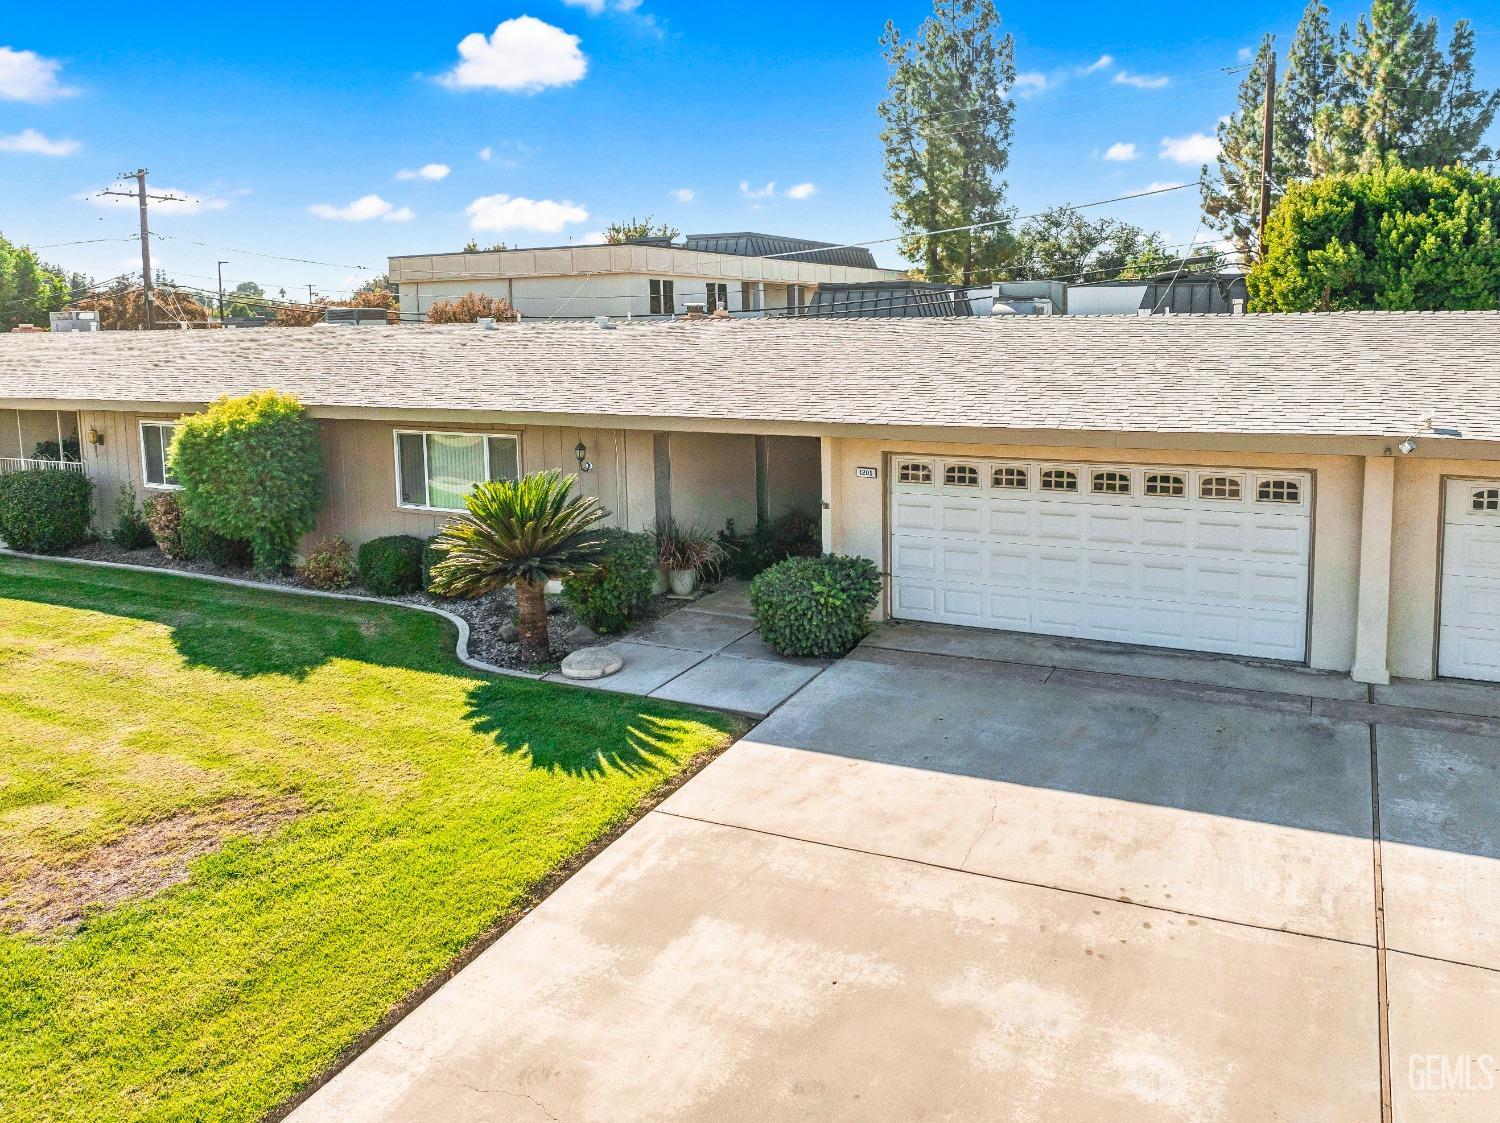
1008	478
1278	491
1166	483
718	296
1487	499
1059	479
156	438
961	475
663	303
1111	483
1218	487
913	472
438	470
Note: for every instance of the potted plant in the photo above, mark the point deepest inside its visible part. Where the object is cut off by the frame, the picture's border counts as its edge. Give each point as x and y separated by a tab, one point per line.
684	554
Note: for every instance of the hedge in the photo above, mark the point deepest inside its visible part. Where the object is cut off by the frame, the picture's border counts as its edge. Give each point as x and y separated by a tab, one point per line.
391	565
606	597
815	606
45	510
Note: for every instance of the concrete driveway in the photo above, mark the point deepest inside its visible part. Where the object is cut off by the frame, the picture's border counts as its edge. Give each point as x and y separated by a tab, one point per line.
931	887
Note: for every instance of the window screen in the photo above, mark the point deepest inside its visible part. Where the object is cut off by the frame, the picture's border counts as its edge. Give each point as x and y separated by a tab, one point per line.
155	441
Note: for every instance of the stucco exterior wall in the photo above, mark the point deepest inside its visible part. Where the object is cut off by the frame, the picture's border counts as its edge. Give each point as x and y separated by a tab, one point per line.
857	518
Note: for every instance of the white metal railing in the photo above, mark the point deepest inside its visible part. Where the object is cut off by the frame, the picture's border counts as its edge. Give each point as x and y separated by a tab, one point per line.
10	464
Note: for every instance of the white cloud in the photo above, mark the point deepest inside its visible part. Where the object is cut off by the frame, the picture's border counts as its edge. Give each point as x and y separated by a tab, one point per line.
486	153
1142	81
34	143
1121	151
1161	185
802	191
1030	83
1245	54
523	55
597	7
506	212
183	202
27	76
765	192
684	194
593	238
1103	62
1198	148
426	171
363	209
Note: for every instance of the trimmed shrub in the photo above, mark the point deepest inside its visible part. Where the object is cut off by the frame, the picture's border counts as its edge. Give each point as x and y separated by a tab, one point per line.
251	469
789	535
606	597
201	544
131	531
470	308
45	510
164	520
391	565
432	553
815	606
328	565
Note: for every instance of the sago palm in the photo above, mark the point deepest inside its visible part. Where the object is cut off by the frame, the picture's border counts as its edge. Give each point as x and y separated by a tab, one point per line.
524	534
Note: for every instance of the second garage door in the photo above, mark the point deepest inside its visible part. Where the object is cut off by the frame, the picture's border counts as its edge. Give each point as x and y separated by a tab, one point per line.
1210	559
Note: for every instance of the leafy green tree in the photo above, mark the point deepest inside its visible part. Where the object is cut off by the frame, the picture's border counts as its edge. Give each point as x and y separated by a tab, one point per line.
1063	244
524	534
473	246
1388	238
251	468
29	289
948	125
1403	97
632	229
246	299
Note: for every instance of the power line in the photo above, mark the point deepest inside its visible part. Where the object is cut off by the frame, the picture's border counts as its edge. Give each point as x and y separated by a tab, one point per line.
257	253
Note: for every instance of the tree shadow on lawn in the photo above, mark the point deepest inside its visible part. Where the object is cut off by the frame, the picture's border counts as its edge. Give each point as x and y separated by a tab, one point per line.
577	739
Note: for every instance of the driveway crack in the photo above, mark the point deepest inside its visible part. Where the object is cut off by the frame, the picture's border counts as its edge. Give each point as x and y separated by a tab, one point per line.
984	830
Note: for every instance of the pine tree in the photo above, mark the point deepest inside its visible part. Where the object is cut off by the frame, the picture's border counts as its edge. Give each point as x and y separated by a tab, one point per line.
1406	100
1232	204
1309	82
949	120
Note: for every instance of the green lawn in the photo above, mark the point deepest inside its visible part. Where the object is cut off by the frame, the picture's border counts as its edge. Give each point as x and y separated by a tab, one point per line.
425	800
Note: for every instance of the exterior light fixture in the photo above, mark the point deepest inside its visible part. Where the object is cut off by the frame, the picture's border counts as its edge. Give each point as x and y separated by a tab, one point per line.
581	451
95	437
1408	446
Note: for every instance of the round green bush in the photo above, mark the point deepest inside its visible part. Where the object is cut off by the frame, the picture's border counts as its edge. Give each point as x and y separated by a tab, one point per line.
815	606
251	468
45	510
392	565
606	597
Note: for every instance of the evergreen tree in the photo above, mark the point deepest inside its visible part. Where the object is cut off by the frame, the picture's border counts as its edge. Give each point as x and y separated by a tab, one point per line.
29	288
1232	203
949	120
1310	81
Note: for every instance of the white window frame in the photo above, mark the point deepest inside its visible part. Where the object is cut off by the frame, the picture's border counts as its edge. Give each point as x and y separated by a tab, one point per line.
145	467
397	434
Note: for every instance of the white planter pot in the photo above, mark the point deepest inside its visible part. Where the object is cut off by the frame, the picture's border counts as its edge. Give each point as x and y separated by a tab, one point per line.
683	581
659	586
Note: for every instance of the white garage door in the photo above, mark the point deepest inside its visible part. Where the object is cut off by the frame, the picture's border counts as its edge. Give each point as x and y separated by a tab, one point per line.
1204	559
1469	636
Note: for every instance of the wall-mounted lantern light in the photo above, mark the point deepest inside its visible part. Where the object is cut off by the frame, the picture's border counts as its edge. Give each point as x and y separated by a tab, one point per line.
95	437
581	451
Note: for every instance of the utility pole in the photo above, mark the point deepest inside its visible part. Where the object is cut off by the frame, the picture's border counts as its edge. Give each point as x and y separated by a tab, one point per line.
1267	129
221	292
139	175
309	294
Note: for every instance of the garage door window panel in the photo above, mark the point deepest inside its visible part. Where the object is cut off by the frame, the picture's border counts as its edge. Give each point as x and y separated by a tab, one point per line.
1009	478
1278	491
1487	500
960	475
1105	482
1222	488
1166	485
913	472
1060	479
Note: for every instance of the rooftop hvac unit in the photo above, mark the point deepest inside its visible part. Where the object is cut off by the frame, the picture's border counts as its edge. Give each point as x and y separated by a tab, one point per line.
354	317
74	321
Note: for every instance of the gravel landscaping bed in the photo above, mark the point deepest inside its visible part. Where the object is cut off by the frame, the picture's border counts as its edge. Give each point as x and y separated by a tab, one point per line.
492	635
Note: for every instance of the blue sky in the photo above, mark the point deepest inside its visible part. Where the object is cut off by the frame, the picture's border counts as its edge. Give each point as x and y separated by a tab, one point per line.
310	139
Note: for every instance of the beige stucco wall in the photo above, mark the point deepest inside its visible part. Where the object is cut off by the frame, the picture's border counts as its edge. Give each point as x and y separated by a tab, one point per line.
857	519
361	471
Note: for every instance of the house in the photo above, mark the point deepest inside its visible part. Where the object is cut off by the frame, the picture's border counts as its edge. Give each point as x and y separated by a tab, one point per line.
1165	293
1316	489
741	272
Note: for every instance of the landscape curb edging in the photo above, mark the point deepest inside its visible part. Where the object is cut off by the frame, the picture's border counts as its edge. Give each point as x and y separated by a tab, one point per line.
461	650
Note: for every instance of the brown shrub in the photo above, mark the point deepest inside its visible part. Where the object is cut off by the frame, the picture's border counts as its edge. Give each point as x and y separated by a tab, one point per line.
471	308
328	565
164	518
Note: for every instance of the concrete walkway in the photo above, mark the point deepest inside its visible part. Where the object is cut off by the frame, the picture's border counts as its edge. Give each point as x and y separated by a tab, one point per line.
942	885
707	654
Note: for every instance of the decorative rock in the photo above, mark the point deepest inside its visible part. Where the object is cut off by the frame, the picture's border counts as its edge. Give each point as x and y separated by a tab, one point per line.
508	633
591	663
581	636
554	607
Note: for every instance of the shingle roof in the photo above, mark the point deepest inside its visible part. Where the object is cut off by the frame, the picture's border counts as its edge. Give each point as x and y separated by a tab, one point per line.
1350	374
